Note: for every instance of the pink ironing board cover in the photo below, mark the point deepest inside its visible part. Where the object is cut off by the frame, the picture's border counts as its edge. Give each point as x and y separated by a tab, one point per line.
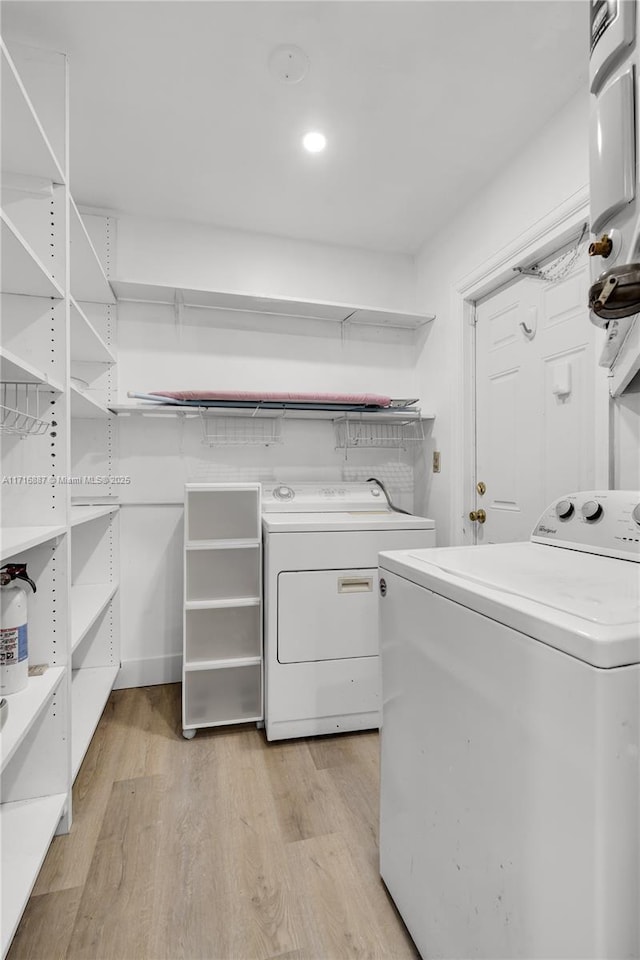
371	399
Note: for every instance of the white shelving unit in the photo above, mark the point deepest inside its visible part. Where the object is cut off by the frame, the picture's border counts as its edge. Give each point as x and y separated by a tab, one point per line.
70	552
274	306
222	637
94	630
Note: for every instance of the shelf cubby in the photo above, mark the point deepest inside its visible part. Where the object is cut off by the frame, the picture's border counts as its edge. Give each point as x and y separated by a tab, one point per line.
223	695
222	625
226	574
222	633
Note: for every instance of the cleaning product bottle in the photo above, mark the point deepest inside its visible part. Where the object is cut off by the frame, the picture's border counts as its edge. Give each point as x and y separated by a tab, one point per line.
14	661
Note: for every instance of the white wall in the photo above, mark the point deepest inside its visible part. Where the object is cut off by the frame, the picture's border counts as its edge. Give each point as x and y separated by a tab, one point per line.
552	169
203	257
235	351
228	350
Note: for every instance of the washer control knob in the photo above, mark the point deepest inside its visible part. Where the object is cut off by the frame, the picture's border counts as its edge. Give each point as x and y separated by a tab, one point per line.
375	491
591	510
283	493
564	509
636	513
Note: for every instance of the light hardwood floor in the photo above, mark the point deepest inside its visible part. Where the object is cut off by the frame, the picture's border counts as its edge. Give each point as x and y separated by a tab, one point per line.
224	847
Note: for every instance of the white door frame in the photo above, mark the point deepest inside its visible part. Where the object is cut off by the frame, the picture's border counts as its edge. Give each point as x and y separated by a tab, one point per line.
539	240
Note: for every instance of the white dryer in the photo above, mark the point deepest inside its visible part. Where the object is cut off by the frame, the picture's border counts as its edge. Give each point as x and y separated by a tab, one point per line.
321	648
510	770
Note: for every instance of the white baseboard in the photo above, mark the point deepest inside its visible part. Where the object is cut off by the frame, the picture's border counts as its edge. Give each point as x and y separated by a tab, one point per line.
149	672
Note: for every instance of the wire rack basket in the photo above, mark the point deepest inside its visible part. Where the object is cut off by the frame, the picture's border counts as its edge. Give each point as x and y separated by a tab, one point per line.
20	410
240	431
399	434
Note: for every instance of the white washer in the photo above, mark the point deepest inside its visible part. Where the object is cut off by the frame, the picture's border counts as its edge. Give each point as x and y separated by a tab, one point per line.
510	778
321	648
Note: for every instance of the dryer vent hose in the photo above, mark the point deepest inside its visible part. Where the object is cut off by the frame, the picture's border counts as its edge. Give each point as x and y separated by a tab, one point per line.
384	490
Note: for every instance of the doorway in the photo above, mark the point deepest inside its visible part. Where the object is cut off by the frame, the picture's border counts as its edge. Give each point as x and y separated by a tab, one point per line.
528	343
535	386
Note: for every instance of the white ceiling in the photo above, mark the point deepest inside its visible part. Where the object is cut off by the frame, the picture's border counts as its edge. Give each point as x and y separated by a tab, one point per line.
175	114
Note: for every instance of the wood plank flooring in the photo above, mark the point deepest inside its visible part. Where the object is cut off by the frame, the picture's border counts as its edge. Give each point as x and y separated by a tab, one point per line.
224	847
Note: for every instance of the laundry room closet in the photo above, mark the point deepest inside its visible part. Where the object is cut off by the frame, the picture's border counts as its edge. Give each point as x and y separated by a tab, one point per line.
170	338
235	370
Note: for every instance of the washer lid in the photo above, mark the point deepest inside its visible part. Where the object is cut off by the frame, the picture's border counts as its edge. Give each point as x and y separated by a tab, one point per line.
355	520
585	605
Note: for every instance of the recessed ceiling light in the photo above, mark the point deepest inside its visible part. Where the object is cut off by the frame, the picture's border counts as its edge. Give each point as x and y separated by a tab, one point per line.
314	141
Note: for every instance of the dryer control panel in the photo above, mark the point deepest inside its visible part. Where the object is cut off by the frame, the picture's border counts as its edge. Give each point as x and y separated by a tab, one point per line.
606	522
300	497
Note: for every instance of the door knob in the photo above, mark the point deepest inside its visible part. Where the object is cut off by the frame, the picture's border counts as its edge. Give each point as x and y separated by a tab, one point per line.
478	515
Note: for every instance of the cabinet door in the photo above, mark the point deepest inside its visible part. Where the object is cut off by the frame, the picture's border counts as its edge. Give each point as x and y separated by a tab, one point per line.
327	615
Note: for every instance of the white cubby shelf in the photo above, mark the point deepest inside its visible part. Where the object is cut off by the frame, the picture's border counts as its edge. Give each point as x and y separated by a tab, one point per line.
222	619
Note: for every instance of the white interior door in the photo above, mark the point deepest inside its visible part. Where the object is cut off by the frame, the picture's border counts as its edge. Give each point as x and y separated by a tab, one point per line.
535	400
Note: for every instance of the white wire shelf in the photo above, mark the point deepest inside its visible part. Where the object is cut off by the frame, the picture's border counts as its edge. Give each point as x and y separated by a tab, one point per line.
20	410
219	431
353	432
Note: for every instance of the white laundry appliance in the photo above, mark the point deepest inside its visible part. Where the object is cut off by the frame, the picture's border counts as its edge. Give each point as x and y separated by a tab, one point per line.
321	648
614	159
510	771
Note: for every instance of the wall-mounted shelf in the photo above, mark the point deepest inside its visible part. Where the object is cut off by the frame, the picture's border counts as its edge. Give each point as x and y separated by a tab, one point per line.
274	306
15	369
87	603
90	689
22	270
160	410
17	539
25	708
27	828
25	146
83	406
86	512
88	280
87	346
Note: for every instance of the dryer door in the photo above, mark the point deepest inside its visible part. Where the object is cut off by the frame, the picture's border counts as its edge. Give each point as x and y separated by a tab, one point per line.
327	615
